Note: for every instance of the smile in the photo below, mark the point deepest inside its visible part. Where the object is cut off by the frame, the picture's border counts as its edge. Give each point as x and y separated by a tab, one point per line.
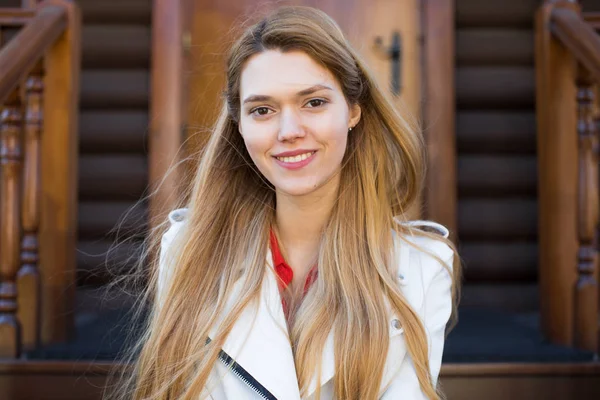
297	161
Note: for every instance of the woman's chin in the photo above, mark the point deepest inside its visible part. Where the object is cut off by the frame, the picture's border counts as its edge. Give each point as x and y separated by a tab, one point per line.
298	190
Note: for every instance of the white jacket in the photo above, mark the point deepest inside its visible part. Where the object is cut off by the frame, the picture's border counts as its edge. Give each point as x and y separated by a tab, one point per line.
259	344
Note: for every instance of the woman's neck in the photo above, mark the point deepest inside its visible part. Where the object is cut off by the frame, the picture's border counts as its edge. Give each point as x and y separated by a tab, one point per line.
300	221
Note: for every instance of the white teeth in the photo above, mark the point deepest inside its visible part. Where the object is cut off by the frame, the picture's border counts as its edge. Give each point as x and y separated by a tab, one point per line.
295	159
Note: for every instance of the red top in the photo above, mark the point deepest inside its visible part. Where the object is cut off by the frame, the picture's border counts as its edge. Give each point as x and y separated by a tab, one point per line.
285	272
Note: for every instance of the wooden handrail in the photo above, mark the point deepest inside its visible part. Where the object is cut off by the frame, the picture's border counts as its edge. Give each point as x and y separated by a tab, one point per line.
39	97
579	37
20	55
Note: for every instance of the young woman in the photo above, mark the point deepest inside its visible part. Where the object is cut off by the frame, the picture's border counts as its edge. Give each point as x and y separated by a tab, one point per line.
292	272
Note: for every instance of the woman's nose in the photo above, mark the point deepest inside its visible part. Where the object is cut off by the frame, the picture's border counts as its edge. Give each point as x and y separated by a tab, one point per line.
291	126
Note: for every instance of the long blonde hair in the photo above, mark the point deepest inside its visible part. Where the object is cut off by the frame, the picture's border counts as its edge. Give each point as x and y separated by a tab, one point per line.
226	235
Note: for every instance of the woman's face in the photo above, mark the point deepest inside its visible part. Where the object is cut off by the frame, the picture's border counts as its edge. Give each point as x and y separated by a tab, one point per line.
294	120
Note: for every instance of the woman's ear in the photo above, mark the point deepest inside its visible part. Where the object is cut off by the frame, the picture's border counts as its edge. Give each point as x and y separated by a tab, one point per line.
354	116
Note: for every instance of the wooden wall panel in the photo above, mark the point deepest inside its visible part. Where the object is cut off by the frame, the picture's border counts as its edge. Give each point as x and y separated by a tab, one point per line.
495	87
496	131
496	138
485	46
497	175
508	13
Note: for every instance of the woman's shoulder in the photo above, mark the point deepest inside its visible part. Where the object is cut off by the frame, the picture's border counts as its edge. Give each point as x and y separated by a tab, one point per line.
176	220
419	254
178	215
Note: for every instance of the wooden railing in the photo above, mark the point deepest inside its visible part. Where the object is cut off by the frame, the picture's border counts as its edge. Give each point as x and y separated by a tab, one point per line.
39	77
567	71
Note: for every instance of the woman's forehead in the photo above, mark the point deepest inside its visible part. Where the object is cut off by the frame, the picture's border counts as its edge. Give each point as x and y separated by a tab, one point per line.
277	74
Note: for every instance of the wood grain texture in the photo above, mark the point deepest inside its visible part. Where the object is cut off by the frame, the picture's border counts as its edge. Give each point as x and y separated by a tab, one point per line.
439	113
167	105
58	224
29	279
20	54
558	179
72	380
586	290
11	165
578	36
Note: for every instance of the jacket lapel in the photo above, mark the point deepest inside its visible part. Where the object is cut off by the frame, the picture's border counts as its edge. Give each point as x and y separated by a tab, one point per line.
259	340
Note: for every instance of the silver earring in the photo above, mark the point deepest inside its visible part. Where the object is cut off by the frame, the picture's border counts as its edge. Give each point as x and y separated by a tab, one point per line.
349	129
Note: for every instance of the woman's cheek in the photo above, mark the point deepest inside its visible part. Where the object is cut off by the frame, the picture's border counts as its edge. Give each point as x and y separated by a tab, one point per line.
257	148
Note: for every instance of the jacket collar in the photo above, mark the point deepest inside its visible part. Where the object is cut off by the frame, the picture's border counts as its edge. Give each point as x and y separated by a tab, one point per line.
259	340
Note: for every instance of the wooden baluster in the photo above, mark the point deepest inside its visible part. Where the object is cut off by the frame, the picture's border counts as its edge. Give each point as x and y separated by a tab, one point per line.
29	278
10	231
586	292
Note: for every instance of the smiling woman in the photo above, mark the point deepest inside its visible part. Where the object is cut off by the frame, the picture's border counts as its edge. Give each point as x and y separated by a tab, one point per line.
298	142
292	272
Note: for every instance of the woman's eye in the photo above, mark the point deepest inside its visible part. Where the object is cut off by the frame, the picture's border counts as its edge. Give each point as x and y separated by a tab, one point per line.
260	111
319	102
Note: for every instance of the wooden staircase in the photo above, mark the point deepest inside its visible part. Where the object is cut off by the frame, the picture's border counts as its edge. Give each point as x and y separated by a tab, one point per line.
502	347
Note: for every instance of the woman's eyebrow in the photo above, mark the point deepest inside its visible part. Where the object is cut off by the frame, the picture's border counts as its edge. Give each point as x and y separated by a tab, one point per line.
261	97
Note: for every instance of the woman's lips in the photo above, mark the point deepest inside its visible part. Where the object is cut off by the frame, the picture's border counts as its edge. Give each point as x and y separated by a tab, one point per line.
291	163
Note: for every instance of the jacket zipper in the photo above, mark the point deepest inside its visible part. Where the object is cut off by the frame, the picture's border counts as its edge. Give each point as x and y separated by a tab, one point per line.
244	376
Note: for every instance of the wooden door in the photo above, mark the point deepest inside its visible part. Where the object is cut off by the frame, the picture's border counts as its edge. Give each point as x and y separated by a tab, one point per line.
215	23
363	21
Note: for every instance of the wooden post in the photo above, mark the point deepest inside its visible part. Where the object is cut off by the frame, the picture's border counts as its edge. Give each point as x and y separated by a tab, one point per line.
439	111
58	202
586	290
29	278
10	231
557	178
167	104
